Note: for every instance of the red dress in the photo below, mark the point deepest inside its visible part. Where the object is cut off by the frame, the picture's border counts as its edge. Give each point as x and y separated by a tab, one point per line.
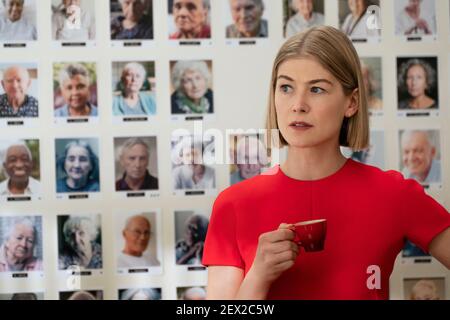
369	215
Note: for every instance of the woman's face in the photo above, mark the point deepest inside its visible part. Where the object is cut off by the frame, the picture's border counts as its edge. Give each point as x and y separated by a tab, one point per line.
357	6
304	7
414	4
75	91
193	84
191	156
132	80
21	242
310	104
14	9
77	164
416	81
132	9
191	232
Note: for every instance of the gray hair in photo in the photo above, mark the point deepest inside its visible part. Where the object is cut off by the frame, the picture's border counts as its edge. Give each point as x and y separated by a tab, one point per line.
181	67
71	70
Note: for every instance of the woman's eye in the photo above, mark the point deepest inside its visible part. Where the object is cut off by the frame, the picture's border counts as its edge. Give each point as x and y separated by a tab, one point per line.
317	90
285	88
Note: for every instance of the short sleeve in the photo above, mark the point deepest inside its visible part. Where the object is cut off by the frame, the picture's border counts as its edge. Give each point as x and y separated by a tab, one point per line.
221	247
423	217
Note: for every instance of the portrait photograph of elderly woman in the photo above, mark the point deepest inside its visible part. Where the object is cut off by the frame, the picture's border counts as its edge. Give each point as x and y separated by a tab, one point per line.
19	90
300	15
81	295
189	169
420	156
371	69
134	88
191	87
246	19
248	155
18	20
415	17
136	163
77	165
417	84
75	90
353	18
20	173
190	234
140	294
138	241
21	244
189	19
131	19
79	242
428	288
73	20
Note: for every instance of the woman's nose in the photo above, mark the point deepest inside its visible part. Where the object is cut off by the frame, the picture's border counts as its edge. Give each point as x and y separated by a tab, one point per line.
300	103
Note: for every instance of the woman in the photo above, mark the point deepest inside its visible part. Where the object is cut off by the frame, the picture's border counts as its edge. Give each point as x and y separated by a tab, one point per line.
318	103
71	23
133	23
132	101
411	20
190	173
75	84
13	25
189	250
416	79
305	17
190	80
355	24
80	169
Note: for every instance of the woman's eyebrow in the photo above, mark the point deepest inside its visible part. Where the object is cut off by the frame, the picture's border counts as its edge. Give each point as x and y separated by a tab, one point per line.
281	76
320	80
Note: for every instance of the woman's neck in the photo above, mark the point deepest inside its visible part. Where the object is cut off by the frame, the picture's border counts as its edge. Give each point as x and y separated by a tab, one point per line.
84	111
77	184
421	102
312	163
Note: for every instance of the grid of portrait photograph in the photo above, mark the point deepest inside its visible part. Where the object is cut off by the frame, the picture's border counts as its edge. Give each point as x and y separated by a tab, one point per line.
104	179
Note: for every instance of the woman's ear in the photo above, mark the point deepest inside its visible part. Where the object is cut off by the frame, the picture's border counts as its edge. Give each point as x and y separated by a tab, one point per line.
353	106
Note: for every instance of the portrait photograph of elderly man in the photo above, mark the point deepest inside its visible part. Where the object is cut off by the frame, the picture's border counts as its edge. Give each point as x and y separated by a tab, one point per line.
134	88
21	247
21	168
189	19
420	155
247	19
73	20
136	163
19	91
75	89
18	20
131	19
80	242
137	244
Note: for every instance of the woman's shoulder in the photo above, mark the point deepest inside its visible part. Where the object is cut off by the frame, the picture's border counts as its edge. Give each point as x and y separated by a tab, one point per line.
387	180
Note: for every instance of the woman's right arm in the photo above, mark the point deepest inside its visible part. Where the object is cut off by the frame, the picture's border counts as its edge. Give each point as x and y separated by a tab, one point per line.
275	254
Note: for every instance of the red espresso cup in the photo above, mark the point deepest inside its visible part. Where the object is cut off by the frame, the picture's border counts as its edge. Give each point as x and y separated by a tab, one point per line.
311	234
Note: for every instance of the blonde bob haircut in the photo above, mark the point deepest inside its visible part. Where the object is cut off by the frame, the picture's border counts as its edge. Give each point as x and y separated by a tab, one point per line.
335	52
